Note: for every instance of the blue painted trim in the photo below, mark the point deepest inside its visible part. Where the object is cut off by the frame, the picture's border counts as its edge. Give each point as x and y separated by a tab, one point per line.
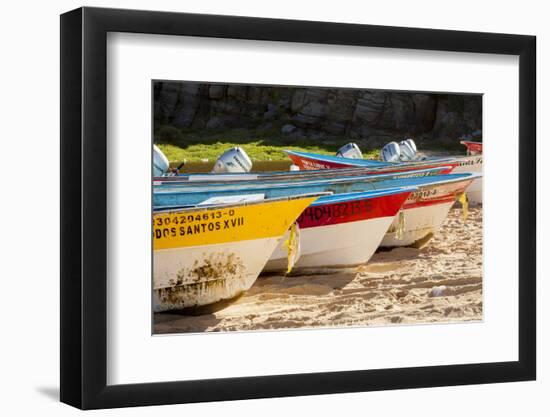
361	195
183	196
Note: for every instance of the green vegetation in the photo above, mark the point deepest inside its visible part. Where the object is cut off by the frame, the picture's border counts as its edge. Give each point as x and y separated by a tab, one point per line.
195	145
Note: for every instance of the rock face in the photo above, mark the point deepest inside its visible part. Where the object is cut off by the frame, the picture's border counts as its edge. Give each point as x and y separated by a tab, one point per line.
372	116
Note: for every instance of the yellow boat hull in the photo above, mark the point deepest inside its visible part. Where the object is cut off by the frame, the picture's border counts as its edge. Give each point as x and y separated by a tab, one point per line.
203	256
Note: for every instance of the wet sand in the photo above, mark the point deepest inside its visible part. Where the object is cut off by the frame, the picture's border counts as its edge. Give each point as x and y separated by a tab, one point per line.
441	282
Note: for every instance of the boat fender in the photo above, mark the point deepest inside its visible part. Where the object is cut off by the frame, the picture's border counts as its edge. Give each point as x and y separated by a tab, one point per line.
160	162
292	245
390	152
350	150
233	160
464	201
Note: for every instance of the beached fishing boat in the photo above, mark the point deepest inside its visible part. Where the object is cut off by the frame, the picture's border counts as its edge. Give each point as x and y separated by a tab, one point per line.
339	230
424	212
313	161
472	163
204	255
460	164
422	215
212	178
171	195
325	177
474	148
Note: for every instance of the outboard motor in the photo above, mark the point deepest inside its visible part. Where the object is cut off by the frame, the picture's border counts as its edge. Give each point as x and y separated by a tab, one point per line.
407	150
412	144
160	162
233	160
351	150
391	152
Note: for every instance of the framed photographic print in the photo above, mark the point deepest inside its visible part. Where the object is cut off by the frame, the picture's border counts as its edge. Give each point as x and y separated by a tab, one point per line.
258	208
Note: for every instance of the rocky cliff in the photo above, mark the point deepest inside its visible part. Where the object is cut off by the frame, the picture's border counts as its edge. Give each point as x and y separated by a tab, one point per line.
371	117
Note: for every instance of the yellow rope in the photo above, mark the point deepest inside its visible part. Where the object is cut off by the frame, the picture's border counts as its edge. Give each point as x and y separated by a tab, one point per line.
292	245
400	230
464	201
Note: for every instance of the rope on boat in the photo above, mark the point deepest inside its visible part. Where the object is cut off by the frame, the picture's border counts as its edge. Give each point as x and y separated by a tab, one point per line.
464	201
292	245
400	229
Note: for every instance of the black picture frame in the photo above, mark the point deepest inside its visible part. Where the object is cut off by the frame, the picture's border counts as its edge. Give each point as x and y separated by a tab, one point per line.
84	207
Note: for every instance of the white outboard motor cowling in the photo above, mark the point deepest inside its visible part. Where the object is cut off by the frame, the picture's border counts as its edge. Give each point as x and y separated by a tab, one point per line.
233	160
412	144
407	150
351	150
160	162
391	152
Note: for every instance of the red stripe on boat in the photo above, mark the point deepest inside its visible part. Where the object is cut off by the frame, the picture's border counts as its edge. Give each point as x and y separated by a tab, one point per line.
308	164
352	211
436	194
425	203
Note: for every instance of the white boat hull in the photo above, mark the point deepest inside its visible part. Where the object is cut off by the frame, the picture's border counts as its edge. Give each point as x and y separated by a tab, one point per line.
344	244
201	275
472	164
419	223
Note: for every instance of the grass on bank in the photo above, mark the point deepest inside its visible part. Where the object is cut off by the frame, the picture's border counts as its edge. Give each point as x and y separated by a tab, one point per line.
192	145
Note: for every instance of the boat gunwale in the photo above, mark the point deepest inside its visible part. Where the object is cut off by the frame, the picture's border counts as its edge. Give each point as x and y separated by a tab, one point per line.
219	206
363	195
264	174
453	176
301	182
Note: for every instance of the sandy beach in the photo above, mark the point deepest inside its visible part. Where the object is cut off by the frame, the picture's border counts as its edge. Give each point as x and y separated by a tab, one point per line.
440	282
